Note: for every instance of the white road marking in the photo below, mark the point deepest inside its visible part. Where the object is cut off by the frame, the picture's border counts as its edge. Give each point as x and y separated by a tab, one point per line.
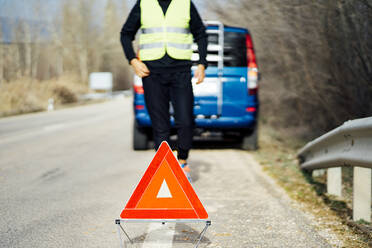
159	236
164	191
18	136
54	127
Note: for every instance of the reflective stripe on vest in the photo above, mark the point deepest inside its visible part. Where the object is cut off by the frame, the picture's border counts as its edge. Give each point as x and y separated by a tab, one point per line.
180	46
161	44
152	45
169	33
168	30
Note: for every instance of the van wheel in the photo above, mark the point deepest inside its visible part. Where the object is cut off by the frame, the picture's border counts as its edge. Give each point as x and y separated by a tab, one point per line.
250	141
140	139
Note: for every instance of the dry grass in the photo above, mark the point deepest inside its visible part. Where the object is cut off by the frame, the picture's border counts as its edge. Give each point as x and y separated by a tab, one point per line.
27	95
277	155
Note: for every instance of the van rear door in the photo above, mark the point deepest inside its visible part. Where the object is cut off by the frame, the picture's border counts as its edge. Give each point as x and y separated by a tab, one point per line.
209	94
224	91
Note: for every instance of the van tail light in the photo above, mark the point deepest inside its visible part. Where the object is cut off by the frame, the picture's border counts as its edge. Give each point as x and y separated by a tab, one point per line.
137	86
252	81
252	67
251	109
138	89
251	56
140	107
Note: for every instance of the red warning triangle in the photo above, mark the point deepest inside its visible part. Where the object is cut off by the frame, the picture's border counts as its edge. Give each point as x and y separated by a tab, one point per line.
164	192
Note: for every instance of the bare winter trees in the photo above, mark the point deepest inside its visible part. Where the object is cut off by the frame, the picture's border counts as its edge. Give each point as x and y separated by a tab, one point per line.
315	57
1	58
90	43
81	38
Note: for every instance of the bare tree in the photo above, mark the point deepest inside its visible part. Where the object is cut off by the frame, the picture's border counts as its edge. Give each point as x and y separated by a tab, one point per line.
75	41
1	57
112	56
315	57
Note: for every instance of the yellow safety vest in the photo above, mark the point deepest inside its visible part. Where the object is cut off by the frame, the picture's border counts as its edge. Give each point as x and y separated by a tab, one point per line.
169	33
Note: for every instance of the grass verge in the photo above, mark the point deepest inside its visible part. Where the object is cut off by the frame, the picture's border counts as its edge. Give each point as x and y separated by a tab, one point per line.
277	155
28	95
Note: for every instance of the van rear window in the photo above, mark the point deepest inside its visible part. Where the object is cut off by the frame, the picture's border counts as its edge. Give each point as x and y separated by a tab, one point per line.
235	50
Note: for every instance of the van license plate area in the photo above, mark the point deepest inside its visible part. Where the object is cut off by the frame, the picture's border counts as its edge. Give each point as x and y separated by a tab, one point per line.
208	88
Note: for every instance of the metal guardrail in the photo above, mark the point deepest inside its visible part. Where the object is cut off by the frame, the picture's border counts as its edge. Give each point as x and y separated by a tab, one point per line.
347	145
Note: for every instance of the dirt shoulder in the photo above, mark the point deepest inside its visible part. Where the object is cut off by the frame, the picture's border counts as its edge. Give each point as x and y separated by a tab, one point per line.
277	155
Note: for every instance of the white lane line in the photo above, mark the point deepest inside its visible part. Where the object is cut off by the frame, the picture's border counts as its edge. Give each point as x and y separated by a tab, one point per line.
19	136
159	236
54	127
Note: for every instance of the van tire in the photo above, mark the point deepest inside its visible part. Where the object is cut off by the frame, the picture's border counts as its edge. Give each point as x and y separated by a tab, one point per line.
140	138
250	141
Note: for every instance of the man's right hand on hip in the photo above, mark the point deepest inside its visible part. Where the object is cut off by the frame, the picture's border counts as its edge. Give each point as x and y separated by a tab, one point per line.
139	68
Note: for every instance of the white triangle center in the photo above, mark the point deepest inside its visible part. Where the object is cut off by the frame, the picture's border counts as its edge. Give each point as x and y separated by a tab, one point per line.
164	191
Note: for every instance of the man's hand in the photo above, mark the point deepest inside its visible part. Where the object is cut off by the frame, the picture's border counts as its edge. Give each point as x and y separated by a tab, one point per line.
200	74
139	68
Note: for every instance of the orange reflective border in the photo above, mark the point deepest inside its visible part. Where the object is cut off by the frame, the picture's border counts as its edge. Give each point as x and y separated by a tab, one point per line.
183	203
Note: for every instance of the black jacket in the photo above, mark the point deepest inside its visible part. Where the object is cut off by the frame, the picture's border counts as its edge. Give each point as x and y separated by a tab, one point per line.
165	64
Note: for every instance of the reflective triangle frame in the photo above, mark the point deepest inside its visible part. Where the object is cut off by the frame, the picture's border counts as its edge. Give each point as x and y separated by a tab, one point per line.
131	210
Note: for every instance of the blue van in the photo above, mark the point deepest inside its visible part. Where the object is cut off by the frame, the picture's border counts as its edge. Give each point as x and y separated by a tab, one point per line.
227	101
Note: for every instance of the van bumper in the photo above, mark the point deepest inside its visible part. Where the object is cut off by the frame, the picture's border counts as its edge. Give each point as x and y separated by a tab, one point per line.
227	122
246	121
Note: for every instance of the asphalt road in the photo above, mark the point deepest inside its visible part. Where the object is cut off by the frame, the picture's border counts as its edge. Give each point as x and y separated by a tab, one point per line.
66	175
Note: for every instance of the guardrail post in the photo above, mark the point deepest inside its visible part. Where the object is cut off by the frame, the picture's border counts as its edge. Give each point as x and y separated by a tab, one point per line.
362	194
334	181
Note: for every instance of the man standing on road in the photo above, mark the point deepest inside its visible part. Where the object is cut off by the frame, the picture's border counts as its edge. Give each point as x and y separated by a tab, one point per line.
167	28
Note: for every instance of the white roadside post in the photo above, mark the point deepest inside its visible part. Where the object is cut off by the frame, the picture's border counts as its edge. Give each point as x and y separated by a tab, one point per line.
362	194
50	104
334	181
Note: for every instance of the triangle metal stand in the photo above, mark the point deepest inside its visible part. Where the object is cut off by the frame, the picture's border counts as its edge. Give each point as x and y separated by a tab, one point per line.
197	241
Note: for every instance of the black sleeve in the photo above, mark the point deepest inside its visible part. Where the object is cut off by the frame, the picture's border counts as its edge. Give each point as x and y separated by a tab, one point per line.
197	29
129	30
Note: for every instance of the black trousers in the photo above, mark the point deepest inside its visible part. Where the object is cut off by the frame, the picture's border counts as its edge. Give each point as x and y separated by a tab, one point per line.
160	89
